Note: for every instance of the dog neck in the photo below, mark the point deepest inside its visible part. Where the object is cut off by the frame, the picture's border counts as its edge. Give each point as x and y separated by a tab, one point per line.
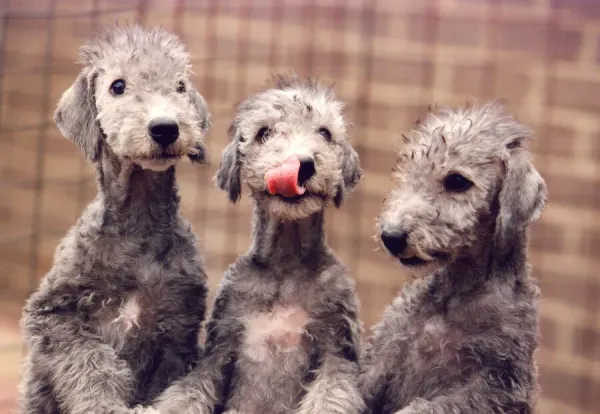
135	200
487	266
275	239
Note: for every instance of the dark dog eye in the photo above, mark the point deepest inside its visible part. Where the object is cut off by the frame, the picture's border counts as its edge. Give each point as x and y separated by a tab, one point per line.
118	87
262	134
325	133
514	144
180	87
457	183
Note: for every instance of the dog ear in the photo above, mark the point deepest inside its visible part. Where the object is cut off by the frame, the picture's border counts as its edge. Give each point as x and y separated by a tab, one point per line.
76	115
351	173
228	175
521	199
200	154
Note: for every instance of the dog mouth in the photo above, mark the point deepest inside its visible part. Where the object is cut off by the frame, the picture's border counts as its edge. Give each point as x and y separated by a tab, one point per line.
296	198
165	156
157	157
413	261
416	261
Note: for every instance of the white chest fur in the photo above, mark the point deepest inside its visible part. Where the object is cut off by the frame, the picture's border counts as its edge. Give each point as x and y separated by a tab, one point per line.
116	327
128	314
268	333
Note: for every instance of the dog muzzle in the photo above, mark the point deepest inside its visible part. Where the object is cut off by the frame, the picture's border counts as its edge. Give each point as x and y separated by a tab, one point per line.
283	179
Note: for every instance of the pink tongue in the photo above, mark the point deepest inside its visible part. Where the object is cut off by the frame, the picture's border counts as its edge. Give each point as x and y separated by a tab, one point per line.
283	179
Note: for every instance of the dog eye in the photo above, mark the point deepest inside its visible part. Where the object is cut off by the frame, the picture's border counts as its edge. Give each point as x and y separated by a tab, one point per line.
457	183
118	87
180	87
326	133
514	144
262	134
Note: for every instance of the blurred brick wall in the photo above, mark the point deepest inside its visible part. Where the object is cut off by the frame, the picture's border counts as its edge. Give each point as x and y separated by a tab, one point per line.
389	59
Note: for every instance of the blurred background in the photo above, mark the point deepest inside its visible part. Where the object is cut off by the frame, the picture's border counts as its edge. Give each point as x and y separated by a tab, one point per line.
389	60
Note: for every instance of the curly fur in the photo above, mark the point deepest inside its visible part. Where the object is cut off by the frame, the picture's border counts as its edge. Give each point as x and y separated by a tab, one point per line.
284	331
461	338
117	317
153	63
293	111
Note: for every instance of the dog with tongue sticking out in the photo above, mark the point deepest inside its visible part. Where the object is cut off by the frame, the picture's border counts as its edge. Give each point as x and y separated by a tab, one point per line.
284	332
287	178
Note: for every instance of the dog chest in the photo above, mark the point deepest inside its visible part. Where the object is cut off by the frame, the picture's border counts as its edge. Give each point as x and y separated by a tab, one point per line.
274	351
119	319
432	343
269	333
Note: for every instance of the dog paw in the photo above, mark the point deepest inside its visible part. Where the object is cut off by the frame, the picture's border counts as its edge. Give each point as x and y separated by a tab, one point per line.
418	406
143	410
406	410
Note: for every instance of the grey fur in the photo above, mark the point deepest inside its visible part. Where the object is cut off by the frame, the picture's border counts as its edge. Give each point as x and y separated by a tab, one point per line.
117	317
289	282
461	338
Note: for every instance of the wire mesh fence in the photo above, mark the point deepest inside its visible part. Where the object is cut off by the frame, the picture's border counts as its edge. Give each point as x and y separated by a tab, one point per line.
389	60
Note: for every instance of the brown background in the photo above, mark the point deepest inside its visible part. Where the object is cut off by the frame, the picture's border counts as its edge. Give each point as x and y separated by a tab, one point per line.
389	59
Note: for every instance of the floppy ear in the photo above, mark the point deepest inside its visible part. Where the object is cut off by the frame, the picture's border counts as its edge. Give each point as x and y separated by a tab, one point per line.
228	176
76	115
199	154
351	173
521	199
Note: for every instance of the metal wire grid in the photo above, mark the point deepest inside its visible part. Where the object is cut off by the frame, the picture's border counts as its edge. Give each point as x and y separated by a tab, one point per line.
211	9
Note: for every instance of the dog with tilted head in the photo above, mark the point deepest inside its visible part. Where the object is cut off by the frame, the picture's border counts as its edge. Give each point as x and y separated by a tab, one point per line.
117	317
284	332
461	338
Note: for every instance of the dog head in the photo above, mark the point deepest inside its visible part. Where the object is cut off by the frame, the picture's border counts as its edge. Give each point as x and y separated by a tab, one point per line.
464	179
288	145
135	96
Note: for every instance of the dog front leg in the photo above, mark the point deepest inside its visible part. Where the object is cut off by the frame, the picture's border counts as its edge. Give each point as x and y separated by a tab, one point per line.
204	388
335	333
383	361
86	374
334	390
197	393
375	369
476	397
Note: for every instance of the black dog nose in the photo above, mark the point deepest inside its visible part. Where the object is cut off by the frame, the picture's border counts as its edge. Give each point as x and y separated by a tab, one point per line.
307	169
163	131
395	242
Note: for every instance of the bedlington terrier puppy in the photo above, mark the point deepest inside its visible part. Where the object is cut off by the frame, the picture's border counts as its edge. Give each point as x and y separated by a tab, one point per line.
461	338
117	317
284	332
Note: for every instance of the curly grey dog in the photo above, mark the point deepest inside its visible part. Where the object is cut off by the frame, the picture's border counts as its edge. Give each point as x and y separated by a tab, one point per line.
284	333
117	317
461	338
